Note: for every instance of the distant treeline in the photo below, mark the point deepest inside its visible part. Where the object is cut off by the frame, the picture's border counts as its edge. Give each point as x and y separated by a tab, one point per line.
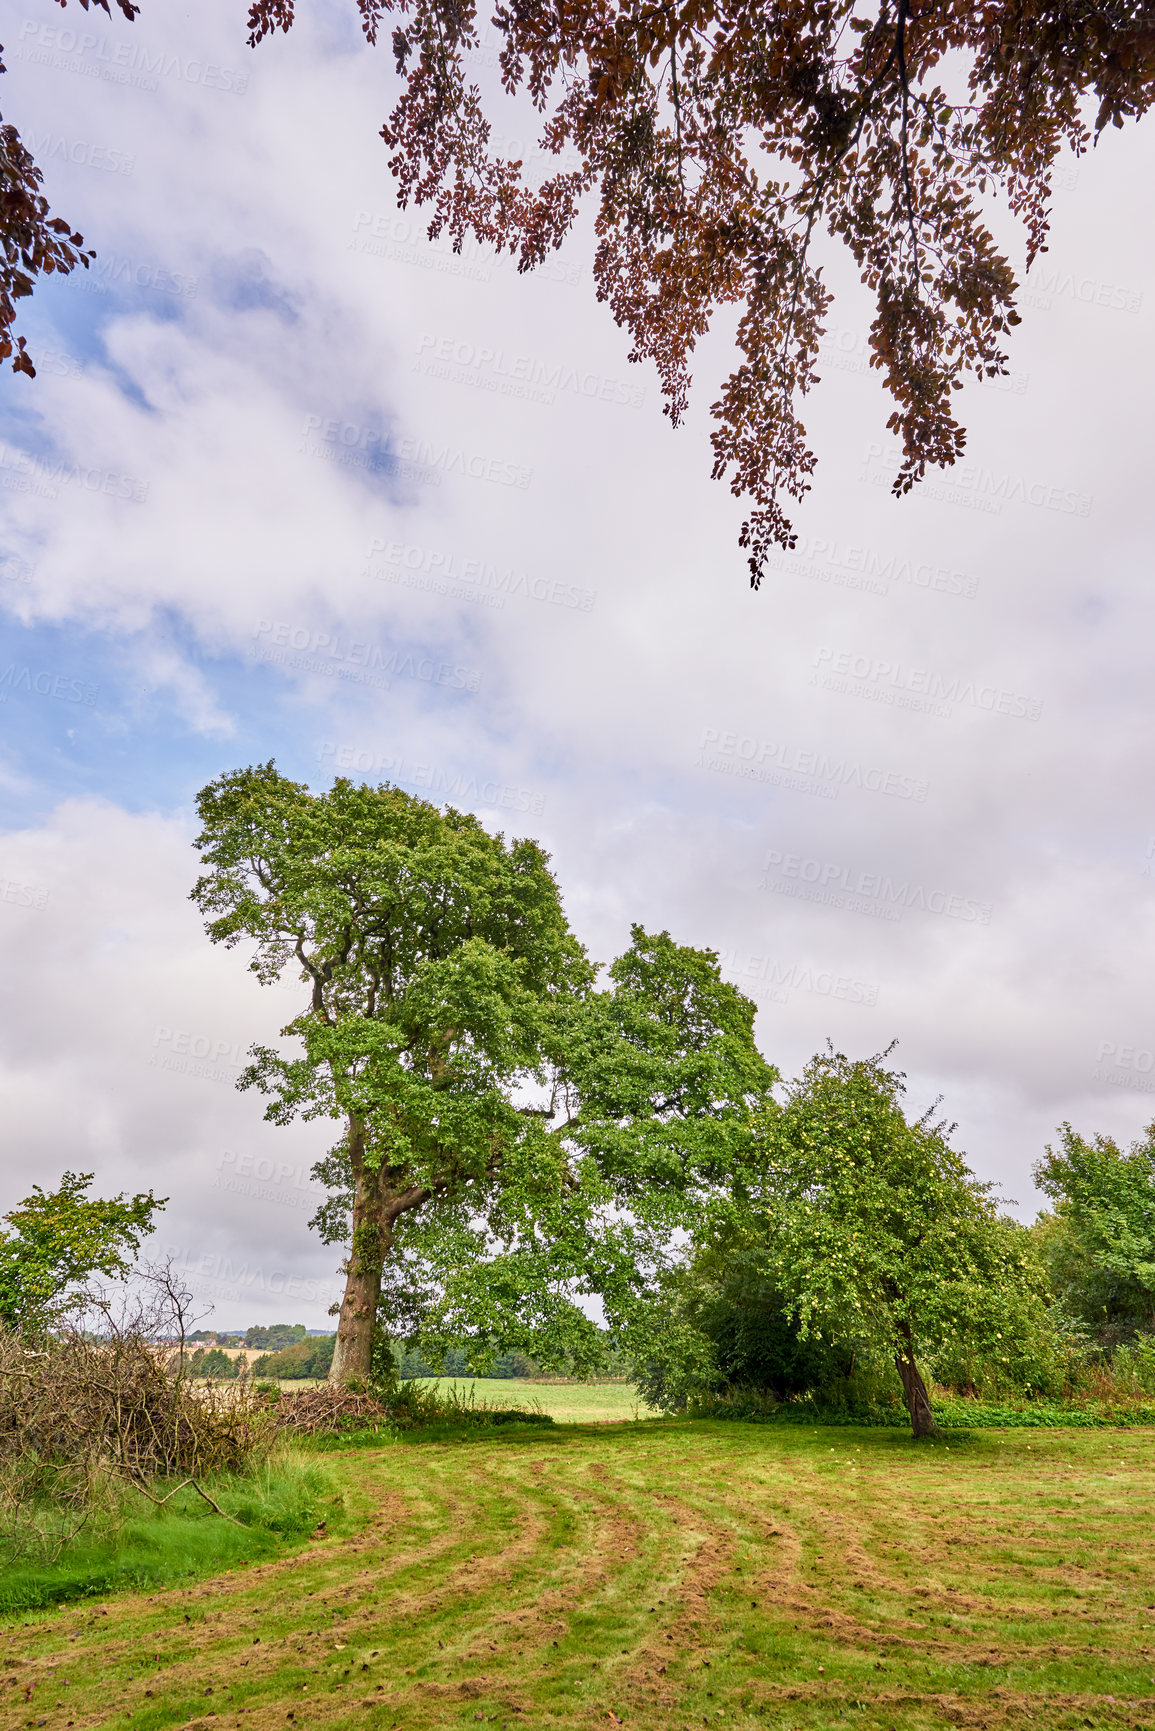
271	1339
304	1357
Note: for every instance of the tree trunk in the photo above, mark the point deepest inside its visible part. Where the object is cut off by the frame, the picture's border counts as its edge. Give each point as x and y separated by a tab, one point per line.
917	1399
378	1204
353	1352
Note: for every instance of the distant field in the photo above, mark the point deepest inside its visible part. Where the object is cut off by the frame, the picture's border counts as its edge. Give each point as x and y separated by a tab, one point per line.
570	1403
663	1576
573	1403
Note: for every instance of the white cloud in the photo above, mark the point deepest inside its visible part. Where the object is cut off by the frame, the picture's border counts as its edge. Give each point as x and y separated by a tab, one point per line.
124	1032
254	407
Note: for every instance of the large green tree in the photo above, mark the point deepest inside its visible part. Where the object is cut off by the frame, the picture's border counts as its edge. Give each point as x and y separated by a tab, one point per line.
1099	1245
519	1134
873	1227
655	1088
59	1239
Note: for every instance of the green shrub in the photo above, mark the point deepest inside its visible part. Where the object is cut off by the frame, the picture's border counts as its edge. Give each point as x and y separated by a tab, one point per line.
212	1362
1133	1366
952	1412
758	1345
722	1326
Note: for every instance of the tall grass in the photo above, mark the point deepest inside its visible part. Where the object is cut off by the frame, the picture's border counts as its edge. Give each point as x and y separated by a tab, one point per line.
86	1421
135	1544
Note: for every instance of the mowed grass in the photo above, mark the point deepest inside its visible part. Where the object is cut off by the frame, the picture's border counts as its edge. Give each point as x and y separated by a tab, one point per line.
656	1575
570	1403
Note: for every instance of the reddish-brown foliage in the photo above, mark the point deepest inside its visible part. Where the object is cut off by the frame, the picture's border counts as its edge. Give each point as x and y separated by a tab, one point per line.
32	243
718	137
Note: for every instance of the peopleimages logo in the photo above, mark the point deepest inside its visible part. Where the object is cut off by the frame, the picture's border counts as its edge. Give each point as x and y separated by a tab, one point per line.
405	240
1125	1067
1126	1057
184	1053
22	473
764	977
850	566
45	684
451	785
52	147
215	1276
23	895
525	376
884	681
976	488
804	771
268	1180
872	893
112	271
411	458
305	650
119	62
472	579
1047	281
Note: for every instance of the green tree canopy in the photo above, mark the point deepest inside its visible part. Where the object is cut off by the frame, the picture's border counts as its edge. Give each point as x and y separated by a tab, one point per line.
275	1336
512	1135
1099	1246
214	1362
430	951
308	1357
62	1237
648	1126
874	1227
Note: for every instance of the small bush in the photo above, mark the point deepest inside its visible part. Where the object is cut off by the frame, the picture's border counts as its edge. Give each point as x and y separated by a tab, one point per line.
952	1412
1133	1367
211	1362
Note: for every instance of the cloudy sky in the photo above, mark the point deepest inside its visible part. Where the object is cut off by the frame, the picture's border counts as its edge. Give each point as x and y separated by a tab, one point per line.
294	483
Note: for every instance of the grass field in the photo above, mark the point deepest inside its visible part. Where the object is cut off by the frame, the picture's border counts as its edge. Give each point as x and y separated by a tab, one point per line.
655	1575
570	1403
